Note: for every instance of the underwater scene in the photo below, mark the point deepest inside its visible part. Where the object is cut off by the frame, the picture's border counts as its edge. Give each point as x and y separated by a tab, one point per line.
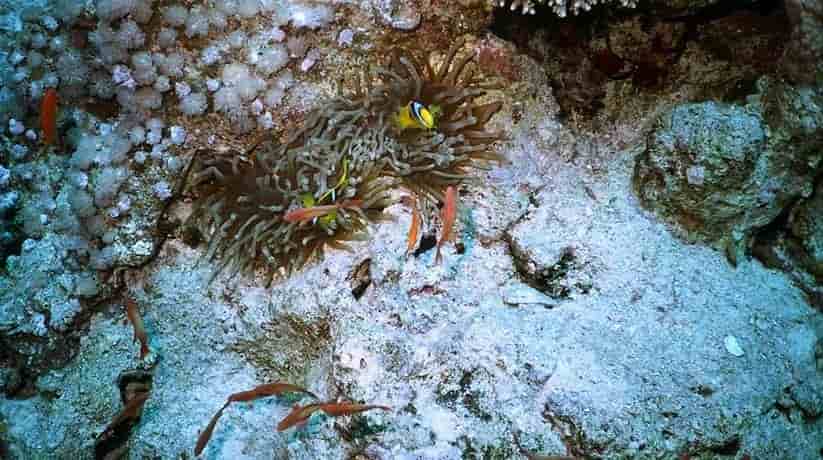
411	229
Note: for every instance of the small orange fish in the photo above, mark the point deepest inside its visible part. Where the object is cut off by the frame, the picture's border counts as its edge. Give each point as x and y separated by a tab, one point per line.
205	436
48	116
268	389
304	214
414	231
300	415
297	416
133	314
348	408
260	391
447	216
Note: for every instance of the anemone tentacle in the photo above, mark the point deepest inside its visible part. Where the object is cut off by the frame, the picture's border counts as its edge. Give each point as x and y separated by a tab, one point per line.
244	198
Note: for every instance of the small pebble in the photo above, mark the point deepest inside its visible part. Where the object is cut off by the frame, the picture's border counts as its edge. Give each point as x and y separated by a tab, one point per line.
732	346
19	152
174	164
16	57
137	135
124	204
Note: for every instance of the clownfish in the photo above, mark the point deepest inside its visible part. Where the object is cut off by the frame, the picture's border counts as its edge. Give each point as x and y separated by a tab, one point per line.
415	114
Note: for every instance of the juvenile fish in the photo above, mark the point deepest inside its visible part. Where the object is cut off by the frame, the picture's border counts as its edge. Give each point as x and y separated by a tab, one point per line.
301	414
305	214
268	389
48	116
348	408
205	436
447	216
298	415
133	314
414	231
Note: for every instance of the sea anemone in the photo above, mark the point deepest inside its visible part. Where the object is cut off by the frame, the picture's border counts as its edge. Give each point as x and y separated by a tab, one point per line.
346	158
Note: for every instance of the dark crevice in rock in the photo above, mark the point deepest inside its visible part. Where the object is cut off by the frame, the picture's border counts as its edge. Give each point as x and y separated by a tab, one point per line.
428	241
703	390
135	387
360	278
4	448
548	279
468	397
778	247
766	238
794	410
572	436
722	449
729	447
583	56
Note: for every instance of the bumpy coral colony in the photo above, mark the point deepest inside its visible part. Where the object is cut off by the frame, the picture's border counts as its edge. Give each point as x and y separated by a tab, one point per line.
280	205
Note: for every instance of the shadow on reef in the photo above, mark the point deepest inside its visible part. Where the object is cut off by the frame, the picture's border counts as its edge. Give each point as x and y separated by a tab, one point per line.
649	49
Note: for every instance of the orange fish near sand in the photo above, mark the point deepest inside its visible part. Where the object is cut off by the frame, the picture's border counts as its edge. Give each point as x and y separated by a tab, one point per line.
414	231
133	314
48	116
447	216
300	415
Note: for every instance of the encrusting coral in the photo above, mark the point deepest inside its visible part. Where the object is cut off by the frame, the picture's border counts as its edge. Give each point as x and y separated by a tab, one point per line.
278	206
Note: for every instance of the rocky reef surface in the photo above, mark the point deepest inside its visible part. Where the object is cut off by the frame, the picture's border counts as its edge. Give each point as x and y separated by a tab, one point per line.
641	278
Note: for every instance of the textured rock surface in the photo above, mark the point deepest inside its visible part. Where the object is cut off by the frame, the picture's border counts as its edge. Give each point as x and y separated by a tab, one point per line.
722	172
702	169
807	227
803	59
